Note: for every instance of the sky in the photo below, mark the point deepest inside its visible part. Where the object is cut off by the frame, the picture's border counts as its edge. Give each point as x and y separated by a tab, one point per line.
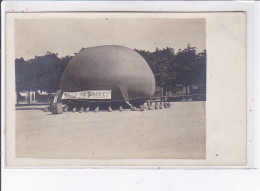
34	37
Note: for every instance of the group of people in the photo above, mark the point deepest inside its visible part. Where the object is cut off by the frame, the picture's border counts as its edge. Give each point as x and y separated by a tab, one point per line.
86	107
81	106
158	105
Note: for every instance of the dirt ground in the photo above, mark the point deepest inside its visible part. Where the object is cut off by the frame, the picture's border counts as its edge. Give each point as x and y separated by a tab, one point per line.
178	132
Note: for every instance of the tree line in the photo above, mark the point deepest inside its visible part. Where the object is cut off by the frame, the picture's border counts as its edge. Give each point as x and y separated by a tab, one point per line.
171	69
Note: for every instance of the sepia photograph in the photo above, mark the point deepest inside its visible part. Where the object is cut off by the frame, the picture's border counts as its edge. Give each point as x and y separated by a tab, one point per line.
126	89
110	88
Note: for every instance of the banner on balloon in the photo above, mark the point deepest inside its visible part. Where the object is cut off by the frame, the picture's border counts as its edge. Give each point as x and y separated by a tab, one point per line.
90	94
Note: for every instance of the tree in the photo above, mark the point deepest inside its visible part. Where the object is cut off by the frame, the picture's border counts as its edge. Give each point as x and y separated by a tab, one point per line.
41	73
171	70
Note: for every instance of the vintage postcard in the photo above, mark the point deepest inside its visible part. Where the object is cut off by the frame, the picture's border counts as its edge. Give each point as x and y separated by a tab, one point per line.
126	89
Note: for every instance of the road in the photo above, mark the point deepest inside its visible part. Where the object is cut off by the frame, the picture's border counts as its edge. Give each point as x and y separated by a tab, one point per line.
178	132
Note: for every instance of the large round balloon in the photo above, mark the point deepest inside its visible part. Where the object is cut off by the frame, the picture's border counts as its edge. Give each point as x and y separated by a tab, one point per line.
111	67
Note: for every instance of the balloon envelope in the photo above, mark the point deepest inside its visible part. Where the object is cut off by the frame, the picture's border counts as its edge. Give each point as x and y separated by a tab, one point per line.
111	67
